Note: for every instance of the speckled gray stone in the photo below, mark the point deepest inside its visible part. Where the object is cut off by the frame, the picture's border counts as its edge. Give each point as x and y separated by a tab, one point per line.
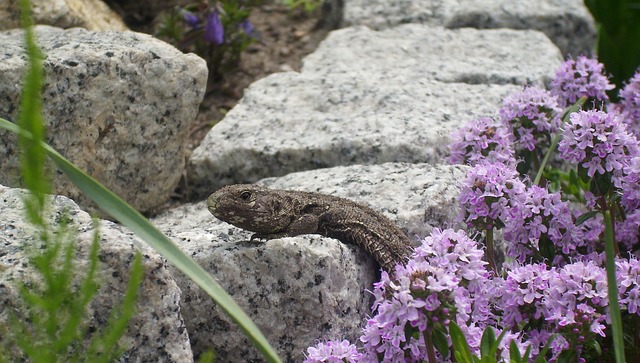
368	98
118	104
567	22
416	51
90	14
156	333
304	288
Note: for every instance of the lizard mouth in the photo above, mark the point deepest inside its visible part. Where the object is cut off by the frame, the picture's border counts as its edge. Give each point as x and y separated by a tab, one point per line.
212	203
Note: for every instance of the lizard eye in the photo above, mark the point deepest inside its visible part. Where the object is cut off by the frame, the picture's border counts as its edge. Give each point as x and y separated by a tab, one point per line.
245	195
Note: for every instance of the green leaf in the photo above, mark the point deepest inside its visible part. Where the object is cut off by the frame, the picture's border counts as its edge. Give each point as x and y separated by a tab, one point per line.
585	217
440	341
132	219
514	353
460	345
487	341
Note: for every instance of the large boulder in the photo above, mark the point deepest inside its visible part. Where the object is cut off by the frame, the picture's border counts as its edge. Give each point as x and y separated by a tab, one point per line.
117	104
302	289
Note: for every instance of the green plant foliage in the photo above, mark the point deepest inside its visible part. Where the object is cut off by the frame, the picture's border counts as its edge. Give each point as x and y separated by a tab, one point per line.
52	325
618	33
30	119
307	5
216	30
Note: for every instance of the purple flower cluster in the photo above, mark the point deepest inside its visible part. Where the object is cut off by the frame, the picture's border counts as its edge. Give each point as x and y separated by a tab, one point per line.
445	279
480	140
532	116
599	143
631	185
628	231
486	195
540	215
571	300
333	352
580	77
628	276
553	282
629	105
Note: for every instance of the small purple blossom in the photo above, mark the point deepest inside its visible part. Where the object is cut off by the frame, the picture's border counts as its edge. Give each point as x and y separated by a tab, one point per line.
190	18
532	115
629	105
628	276
628	231
247	27
631	186
599	143
213	30
481	139
580	77
486	195
333	352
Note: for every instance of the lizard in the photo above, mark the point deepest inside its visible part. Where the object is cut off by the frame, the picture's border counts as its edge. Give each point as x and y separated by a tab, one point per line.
275	213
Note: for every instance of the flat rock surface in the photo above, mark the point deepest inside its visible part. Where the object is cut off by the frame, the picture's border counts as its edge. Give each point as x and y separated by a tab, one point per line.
567	23
117	104
303	288
369	97
157	331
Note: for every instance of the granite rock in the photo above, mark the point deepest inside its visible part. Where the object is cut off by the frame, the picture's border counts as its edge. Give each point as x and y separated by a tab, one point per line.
90	14
368	98
416	51
117	104
567	23
302	289
157	331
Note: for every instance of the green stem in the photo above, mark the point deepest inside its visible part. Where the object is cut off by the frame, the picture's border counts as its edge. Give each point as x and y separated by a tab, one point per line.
490	251
556	138
614	307
428	342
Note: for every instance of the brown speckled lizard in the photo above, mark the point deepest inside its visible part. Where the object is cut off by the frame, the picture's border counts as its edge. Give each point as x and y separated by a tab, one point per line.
272	213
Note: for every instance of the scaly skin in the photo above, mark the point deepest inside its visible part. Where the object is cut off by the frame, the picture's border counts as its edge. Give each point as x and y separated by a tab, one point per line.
272	213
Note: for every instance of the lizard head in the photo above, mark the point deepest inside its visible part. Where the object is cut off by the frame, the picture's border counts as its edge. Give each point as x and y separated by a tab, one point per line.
249	207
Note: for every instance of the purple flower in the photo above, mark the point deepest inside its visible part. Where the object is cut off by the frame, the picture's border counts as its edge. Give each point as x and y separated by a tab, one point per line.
487	194
631	186
599	143
213	30
444	279
628	231
541	216
580	77
628	276
247	27
571	300
190	18
481	139
629	105
532	115
334	352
